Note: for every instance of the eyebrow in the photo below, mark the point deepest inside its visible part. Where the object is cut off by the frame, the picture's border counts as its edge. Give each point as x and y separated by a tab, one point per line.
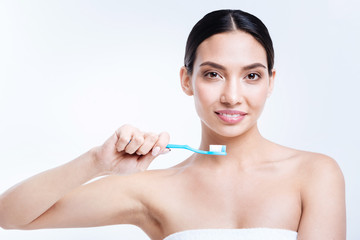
218	66
212	64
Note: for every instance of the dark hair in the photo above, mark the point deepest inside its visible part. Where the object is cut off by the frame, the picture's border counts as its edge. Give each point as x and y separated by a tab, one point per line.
221	21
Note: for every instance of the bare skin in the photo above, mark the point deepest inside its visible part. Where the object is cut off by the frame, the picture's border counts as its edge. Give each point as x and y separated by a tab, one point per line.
258	184
201	193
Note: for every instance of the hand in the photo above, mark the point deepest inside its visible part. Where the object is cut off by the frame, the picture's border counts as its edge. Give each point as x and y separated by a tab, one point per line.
129	150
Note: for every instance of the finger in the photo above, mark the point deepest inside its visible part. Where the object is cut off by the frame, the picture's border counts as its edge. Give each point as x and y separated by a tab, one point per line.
165	151
162	142
145	161
135	143
149	141
124	134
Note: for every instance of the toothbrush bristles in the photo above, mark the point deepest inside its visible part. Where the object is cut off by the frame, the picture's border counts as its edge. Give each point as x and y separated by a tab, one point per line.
217	148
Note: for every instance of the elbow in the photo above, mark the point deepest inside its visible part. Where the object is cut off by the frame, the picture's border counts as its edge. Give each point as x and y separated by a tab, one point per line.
4	221
12	227
6	227
5	218
4	224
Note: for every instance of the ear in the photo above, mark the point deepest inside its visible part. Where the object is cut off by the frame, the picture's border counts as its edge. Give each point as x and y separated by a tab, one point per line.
185	79
271	82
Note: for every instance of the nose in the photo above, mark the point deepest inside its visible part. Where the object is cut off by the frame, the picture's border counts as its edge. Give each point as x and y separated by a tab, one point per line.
232	93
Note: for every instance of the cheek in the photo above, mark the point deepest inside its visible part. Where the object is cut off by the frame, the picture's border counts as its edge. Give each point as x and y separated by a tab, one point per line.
205	95
257	96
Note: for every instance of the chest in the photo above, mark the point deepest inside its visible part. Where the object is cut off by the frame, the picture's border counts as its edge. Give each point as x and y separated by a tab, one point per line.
242	201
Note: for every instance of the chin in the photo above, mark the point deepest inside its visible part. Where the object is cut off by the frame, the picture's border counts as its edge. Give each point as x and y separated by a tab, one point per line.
228	131
231	132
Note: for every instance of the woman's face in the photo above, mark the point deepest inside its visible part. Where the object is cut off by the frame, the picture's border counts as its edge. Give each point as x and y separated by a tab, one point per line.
230	82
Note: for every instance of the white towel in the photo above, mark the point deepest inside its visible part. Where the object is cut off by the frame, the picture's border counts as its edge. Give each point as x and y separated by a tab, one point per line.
234	234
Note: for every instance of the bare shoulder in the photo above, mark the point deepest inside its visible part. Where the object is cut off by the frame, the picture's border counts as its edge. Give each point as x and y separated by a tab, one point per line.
320	185
310	163
310	169
318	167
316	173
322	192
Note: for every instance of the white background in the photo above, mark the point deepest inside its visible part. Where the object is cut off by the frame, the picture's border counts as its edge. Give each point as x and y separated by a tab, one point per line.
71	72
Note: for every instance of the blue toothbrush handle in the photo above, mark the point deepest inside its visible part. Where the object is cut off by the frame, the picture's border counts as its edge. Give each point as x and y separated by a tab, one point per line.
194	150
185	147
177	146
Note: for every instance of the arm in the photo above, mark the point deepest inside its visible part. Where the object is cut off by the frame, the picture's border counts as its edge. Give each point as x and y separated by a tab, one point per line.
58	198
24	202
323	200
107	201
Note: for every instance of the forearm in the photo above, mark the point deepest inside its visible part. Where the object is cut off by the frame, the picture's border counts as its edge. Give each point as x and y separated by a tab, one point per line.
26	201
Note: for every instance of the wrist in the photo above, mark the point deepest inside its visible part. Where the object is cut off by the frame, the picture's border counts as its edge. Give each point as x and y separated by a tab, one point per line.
97	166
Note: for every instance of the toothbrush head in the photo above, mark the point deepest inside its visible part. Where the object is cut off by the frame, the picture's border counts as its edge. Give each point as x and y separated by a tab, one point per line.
214	149
217	149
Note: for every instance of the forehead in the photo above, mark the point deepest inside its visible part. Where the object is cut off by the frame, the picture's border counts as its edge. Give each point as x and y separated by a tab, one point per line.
231	48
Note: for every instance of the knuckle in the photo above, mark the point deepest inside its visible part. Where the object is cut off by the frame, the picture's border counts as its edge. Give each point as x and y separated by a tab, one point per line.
120	129
123	140
152	137
126	127
165	136
138	139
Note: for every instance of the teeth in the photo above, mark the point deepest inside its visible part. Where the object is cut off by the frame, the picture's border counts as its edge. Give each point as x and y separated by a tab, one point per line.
230	115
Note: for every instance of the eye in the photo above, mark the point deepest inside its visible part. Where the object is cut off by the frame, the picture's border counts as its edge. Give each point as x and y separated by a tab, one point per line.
253	76
212	75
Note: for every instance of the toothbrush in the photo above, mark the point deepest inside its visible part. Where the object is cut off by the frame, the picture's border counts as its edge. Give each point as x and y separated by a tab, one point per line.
213	150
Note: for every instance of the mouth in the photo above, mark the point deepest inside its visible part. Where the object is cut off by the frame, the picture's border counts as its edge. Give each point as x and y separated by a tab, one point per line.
230	116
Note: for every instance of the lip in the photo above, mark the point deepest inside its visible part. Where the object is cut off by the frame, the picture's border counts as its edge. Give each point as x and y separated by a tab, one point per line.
236	117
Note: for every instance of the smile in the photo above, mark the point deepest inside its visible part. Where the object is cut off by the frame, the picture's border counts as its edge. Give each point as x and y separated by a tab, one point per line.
230	116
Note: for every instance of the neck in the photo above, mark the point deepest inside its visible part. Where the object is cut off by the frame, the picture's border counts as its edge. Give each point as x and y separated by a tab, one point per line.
245	149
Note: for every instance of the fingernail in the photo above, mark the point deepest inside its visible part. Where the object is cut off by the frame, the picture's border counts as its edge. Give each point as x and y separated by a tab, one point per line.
166	150
156	151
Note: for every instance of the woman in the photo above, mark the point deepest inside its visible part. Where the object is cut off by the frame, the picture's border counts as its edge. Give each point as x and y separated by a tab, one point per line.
259	190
